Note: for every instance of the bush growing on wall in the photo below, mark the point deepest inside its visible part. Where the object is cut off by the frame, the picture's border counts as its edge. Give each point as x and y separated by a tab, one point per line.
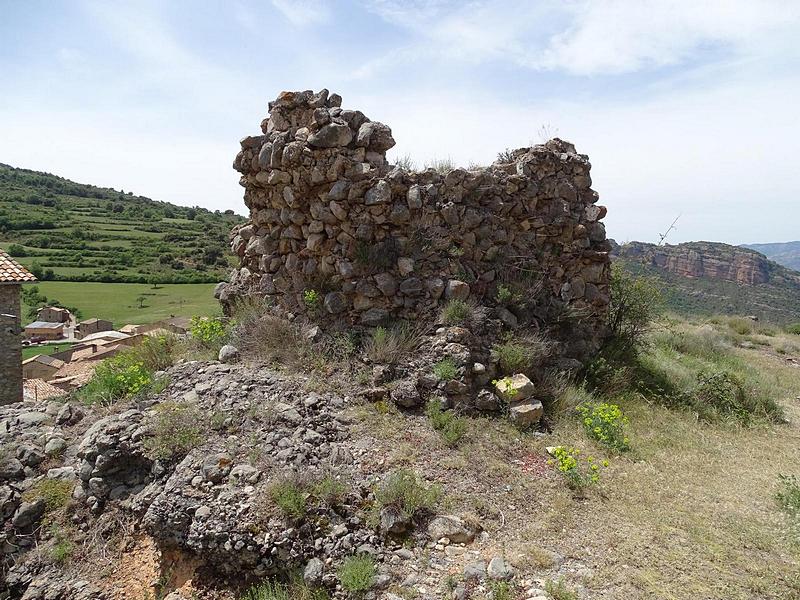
635	303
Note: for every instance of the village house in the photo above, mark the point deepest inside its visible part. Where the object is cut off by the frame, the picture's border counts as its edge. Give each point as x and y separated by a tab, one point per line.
176	325
41	367
53	314
90	326
12	276
35	390
43	330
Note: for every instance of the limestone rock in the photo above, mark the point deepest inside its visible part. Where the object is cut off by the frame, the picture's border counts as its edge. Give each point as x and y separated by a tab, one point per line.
456	290
405	394
515	388
331	136
452	528
499	569
375	136
526	413
228	354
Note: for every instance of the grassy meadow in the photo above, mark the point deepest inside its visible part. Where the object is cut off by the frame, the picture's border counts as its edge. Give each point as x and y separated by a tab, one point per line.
43	349
118	302
688	511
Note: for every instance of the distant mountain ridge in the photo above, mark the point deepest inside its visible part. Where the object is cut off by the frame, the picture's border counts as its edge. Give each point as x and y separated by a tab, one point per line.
784	253
712	277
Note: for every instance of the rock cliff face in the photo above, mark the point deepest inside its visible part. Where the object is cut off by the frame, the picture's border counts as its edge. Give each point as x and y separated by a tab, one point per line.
709	260
342	237
712	278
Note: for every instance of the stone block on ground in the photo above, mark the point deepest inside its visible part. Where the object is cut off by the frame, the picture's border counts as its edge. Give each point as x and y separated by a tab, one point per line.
515	388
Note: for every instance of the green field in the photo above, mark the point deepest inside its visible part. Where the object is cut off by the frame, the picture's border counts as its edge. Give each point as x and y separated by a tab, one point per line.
67	231
118	302
48	349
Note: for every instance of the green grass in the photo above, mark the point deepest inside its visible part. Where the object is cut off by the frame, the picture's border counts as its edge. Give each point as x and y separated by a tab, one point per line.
290	498
450	427
445	369
357	573
55	493
47	349
117	301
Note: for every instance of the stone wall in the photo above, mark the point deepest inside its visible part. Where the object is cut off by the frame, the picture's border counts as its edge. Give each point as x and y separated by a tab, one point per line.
10	345
340	235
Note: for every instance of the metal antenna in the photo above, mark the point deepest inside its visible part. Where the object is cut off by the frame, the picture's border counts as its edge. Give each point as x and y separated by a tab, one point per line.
663	236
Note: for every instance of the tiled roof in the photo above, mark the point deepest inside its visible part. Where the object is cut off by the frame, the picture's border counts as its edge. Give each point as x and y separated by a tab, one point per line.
13	272
45	360
37	389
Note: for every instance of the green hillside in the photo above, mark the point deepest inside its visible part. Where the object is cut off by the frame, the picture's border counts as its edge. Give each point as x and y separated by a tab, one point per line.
67	231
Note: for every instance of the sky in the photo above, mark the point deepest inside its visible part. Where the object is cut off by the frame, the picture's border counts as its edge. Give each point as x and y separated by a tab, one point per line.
687	109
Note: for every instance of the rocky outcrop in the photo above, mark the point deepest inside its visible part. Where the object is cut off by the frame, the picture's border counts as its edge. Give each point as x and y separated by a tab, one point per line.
709	260
339	235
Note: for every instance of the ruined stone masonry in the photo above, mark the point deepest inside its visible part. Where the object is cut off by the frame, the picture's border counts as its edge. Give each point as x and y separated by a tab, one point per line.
340	235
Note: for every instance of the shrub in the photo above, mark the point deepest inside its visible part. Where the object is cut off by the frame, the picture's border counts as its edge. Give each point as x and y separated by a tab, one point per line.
311	299
17	250
406	163
208	331
62	548
405	491
445	369
793	328
450	427
440	165
55	493
122	376
605	423
788	496
558	590
456	312
156	353
518	355
178	428
273	340
501	590
512	357
289	497
387	346
505	295
578	474
340	345
329	491
357	573
567	400
635	304
296	589
721	393
741	325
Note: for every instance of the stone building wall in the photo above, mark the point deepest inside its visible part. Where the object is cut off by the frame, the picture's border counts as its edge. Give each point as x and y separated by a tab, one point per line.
340	235
10	345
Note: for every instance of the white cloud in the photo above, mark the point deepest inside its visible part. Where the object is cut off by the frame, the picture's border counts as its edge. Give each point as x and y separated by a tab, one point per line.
619	36
303	12
590	37
719	157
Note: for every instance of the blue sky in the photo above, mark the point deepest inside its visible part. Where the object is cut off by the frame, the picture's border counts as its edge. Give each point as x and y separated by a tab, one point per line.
684	107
